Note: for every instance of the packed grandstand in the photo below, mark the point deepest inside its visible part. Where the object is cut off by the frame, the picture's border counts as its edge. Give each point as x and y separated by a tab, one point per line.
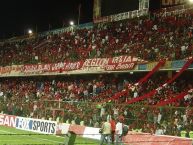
140	69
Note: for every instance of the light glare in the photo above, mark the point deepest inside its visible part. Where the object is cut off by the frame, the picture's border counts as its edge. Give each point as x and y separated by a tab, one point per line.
71	23
191	1
30	31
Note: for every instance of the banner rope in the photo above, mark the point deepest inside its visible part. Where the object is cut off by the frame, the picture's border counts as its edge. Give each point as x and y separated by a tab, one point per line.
141	81
179	97
153	92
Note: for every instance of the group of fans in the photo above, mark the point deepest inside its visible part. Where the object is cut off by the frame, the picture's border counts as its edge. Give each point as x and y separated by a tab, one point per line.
150	39
113	130
82	104
168	37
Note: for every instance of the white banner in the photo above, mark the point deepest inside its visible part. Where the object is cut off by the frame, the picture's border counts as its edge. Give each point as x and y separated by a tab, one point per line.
92	133
36	125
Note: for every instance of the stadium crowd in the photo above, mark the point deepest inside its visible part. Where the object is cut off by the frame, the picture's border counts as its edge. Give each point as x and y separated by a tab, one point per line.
79	97
95	88
150	39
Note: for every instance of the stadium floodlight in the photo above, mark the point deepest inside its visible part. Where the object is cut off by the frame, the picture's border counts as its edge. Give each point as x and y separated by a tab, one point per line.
30	31
71	23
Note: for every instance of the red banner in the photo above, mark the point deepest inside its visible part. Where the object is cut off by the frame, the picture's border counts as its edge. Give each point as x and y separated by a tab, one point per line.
38	68
148	139
7	120
120	66
102	62
95	64
9	69
56	67
108	64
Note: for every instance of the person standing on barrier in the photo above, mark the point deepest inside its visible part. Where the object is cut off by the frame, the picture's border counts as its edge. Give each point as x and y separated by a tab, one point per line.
105	132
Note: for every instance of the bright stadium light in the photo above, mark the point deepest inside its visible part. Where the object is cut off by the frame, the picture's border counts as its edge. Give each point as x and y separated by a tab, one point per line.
191	1
71	23
30	31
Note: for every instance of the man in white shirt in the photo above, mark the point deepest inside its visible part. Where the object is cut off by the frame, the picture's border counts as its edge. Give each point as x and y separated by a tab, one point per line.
118	132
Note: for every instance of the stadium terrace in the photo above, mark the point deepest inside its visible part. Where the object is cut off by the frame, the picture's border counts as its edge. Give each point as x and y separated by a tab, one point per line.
135	72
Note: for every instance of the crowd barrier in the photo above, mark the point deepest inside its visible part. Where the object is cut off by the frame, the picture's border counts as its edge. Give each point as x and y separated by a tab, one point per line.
52	127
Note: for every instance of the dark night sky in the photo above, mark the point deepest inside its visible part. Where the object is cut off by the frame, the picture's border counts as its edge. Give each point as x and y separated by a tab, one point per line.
17	16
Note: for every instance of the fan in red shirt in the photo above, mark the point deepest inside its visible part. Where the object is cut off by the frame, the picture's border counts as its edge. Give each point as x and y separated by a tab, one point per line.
113	126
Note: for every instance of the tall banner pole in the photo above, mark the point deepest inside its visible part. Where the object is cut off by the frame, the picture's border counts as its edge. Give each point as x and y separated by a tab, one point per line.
79	8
